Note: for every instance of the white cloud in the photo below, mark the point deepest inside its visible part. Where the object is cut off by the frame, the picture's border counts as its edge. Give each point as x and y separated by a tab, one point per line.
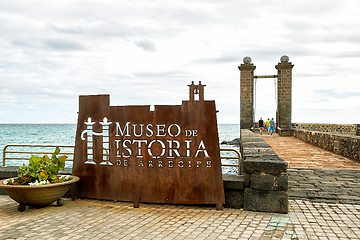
146	45
147	52
63	45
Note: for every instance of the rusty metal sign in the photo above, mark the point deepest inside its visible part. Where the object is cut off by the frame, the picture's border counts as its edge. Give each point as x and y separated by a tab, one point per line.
129	153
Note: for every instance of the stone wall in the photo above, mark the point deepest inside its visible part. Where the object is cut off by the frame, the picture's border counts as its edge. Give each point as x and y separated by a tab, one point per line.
345	145
234	191
265	176
346	129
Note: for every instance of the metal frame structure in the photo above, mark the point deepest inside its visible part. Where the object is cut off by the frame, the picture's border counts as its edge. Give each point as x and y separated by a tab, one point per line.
231	158
6	151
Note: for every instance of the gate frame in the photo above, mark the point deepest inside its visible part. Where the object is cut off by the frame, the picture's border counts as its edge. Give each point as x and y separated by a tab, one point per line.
284	94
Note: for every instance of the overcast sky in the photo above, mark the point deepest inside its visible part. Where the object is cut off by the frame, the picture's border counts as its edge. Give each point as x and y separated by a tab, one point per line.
147	52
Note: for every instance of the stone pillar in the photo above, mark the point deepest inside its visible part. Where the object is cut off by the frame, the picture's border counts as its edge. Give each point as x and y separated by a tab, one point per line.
284	84
246	93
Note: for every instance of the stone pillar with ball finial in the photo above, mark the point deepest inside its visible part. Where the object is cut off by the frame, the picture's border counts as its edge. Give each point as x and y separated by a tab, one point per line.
284	89
246	93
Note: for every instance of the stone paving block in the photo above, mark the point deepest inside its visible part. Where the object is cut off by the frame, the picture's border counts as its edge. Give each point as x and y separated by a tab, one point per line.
266	201
269	182
282	182
93	219
274	167
233	182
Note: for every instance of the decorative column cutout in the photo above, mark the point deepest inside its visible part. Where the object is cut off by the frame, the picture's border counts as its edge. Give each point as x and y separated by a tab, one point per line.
196	92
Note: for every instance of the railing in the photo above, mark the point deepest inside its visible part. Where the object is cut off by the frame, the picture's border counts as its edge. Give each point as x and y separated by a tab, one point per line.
238	157
20	153
22	149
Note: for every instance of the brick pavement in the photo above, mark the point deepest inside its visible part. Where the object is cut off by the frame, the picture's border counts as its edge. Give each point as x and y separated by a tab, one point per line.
316	174
316	213
300	154
95	219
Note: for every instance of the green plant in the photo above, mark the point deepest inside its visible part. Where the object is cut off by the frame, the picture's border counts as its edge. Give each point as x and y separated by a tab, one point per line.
42	169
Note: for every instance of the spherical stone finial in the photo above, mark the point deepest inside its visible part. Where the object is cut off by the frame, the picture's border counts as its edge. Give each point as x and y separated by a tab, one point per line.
284	59
247	60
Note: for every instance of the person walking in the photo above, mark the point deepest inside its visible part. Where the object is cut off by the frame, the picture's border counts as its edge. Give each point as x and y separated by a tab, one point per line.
261	126
267	124
272	126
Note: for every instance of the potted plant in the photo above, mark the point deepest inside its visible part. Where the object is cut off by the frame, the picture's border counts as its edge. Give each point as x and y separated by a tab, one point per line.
39	184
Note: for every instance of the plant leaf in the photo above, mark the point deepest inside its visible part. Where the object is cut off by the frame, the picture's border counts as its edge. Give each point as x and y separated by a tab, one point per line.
63	158
61	165
57	150
46	158
41	168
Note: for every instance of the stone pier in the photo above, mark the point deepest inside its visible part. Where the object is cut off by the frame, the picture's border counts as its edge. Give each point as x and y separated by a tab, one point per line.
265	176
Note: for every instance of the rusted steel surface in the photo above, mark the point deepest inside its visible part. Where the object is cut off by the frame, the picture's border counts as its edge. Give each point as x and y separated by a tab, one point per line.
170	155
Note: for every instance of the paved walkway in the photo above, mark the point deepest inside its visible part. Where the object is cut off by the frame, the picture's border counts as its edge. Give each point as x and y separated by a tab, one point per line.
325	185
95	219
300	154
316	174
319	191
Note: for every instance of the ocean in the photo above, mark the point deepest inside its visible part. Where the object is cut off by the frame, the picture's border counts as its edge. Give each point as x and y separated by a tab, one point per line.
64	134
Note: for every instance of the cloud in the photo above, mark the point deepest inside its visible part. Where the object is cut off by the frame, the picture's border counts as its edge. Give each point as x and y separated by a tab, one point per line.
163	75
336	93
28	43
53	52
146	45
67	29
225	58
63	45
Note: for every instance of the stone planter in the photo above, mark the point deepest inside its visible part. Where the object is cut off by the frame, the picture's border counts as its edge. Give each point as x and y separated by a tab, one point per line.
38	196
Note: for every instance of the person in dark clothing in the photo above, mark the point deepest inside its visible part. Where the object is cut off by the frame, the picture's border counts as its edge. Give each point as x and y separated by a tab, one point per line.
261	126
